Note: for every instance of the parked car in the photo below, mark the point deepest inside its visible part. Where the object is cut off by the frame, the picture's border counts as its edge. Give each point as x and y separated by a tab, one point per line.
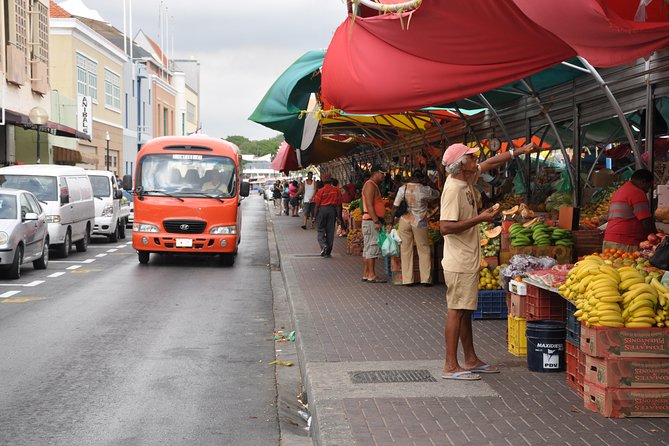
66	195
110	215
128	201
24	232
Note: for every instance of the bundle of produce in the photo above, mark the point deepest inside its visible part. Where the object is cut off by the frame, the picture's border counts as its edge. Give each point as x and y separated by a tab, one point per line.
520	264
356	214
355	204
489	279
521	211
610	297
509	201
536	233
558	199
595	212
490	239
354	237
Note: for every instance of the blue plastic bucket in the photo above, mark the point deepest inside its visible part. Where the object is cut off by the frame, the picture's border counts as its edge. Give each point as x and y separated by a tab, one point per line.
545	346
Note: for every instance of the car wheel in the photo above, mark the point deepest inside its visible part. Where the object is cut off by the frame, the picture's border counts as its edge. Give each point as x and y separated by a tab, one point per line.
43	261
227	259
64	249
113	237
82	245
14	271
143	257
121	229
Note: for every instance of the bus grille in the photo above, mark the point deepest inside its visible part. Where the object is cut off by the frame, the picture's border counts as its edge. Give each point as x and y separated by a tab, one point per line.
184	226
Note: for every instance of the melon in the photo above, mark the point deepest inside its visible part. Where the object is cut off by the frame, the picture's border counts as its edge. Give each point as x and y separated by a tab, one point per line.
530	223
484	241
494	232
512	211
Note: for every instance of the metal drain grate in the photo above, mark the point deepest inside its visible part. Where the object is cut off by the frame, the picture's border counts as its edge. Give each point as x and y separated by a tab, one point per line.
391	376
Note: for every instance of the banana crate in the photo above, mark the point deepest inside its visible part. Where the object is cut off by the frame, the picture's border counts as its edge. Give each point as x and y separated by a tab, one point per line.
492	305
517	338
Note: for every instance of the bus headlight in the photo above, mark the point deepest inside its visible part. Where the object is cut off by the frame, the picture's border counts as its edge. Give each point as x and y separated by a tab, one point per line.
144	227
223	230
4	238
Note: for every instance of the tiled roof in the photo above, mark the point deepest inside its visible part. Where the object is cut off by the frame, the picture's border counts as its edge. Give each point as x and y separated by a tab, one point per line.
57	12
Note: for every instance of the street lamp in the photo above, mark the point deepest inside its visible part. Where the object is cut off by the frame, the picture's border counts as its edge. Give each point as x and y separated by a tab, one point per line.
38	116
107	138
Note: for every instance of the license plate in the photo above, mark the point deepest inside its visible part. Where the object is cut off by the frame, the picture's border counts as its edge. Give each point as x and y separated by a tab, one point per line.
184	243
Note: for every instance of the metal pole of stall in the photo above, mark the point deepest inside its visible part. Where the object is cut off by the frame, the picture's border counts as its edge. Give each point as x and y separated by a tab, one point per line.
577	167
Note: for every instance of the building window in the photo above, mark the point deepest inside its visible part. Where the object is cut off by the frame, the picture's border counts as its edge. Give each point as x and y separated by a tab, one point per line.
164	122
112	90
87	77
19	33
190	112
42	31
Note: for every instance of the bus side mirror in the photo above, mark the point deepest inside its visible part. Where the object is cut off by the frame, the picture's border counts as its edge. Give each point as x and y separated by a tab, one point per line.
244	189
127	182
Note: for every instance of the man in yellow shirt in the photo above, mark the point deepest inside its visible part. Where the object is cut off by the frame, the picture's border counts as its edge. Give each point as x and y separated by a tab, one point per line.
215	184
458	224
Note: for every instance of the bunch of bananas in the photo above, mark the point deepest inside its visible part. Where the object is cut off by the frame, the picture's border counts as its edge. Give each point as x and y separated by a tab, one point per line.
539	234
610	297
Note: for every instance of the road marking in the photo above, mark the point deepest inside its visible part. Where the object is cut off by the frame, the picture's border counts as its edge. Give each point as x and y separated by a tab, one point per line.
85	270
66	261
21	300
112	250
122	246
88	261
29	284
34	283
73	267
56	274
9	293
101	255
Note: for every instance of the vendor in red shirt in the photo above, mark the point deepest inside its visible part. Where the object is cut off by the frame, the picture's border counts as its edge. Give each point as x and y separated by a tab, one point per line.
629	221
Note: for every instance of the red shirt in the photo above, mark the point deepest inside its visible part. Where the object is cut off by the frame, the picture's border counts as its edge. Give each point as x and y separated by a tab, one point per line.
328	195
629	205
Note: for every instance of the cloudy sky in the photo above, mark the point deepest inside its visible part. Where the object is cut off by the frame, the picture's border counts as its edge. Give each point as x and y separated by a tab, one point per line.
242	46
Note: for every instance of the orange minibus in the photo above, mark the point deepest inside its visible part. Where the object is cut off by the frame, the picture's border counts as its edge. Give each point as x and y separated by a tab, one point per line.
188	193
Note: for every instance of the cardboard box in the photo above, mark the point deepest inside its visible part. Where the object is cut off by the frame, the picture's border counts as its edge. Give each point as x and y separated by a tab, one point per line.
605	342
568	218
663	196
621	403
560	253
518	306
603	178
627	372
518	287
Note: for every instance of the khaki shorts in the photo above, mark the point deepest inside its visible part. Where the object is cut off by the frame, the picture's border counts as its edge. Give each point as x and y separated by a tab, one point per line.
462	292
370	240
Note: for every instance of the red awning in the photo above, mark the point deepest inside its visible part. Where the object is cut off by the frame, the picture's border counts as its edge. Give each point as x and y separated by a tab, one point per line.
448	50
285	159
16	118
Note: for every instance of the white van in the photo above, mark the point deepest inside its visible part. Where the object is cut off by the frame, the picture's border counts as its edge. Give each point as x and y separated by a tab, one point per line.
66	196
110	216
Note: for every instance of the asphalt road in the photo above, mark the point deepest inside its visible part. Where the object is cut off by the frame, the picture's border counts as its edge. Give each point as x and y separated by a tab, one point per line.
100	350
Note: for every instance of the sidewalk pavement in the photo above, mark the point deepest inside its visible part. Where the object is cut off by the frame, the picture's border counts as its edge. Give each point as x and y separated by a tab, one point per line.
346	327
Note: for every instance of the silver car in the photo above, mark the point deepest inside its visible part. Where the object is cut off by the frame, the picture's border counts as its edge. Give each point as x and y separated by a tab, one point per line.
24	235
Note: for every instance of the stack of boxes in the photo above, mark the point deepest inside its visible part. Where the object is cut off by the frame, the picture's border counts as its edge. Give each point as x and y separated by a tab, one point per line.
626	371
517	322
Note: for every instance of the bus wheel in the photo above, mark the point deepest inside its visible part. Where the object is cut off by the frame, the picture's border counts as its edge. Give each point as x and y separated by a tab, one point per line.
227	259
143	257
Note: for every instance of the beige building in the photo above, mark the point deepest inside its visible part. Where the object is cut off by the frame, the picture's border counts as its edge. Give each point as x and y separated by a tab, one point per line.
87	79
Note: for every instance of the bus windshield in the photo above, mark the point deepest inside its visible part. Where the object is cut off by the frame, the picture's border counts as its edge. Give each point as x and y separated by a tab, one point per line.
187	174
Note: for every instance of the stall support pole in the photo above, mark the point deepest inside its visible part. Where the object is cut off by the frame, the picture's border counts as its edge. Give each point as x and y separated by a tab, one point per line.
650	133
528	161
577	167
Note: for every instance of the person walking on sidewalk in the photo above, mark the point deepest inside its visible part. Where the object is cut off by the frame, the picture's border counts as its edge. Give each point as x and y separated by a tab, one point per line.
413	227
458	224
327	203
373	215
308	192
276	195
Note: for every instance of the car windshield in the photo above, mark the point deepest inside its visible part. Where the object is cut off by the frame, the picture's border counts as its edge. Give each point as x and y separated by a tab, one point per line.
8	207
43	187
191	175
101	186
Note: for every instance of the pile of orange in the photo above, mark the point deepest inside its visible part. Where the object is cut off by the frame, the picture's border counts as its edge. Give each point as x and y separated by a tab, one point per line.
613	254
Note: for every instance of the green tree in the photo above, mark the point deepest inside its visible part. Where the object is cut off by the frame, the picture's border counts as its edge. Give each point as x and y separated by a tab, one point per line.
257	147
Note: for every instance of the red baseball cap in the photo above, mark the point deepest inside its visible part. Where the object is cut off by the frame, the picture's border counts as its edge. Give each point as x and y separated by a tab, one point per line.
456	151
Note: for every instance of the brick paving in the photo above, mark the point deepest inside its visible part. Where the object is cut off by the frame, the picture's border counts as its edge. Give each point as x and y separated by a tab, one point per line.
342	321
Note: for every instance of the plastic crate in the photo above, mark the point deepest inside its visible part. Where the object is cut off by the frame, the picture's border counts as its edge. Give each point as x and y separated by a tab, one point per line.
575	368
517	338
573	326
492	305
544	305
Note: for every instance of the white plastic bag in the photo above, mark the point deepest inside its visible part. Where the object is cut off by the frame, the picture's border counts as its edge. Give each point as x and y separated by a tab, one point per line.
391	245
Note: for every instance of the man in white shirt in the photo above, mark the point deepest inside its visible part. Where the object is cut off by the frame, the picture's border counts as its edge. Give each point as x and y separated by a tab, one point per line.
308	190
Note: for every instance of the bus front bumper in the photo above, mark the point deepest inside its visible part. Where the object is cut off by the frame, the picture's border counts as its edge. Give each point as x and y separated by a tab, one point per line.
197	243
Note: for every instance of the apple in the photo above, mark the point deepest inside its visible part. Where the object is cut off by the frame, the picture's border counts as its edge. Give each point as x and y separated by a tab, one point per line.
654	239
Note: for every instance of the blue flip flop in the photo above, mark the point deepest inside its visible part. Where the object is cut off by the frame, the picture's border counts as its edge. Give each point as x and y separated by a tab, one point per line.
484	368
464	375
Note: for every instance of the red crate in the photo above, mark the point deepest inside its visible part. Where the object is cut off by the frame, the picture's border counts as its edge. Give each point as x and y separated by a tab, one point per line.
551	307
575	368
